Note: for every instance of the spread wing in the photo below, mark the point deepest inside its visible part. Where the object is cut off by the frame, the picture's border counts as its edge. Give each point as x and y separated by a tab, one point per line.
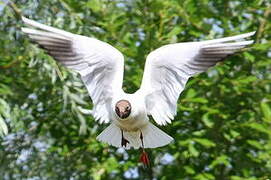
168	68
99	64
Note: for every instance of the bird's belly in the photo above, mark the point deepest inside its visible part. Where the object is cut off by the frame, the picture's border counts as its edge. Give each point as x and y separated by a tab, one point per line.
132	124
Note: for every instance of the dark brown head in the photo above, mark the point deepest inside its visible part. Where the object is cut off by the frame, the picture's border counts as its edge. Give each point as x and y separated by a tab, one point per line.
123	108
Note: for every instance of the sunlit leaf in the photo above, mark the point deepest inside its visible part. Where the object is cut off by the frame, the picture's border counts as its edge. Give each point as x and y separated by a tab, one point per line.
3	127
223	159
255	144
205	142
266	110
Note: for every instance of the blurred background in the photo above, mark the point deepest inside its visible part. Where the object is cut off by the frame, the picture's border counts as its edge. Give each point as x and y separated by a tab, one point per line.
223	126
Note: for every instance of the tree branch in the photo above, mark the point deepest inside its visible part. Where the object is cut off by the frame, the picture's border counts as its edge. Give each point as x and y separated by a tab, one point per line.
15	9
18	15
10	64
263	23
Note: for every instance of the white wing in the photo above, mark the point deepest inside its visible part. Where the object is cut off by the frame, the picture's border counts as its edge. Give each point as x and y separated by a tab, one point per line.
99	64
168	68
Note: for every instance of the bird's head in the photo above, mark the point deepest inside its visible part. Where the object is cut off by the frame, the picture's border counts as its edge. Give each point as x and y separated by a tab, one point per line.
123	109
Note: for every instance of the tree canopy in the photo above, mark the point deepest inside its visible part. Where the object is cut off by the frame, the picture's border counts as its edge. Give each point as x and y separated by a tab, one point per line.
223	126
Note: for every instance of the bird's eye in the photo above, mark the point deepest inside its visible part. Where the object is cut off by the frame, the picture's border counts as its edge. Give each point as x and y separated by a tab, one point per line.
127	108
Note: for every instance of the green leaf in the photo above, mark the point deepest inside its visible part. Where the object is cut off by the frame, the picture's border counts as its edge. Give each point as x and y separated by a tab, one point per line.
234	133
249	56
262	46
199	133
255	144
190	93
236	178
83	125
246	79
199	100
189	170
266	110
175	31
205	142
223	159
204	176
243	178
112	164
4	109
5	90
207	121
192	150
259	127
94	5
3	127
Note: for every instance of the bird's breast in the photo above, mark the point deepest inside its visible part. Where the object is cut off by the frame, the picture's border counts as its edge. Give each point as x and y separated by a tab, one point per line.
132	123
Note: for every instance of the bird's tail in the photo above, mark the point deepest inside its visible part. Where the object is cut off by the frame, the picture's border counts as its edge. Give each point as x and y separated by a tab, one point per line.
153	137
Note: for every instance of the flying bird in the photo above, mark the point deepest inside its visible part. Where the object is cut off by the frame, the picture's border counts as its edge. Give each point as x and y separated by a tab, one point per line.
101	66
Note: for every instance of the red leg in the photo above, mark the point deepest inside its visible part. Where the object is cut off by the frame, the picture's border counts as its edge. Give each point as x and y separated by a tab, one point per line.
144	156
141	138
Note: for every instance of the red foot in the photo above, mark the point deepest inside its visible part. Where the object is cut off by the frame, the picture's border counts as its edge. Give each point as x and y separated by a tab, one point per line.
144	158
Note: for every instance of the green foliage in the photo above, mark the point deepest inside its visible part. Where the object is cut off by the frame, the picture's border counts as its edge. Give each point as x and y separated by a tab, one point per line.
223	126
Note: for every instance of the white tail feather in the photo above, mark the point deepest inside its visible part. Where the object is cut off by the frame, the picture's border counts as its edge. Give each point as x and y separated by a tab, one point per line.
111	135
153	137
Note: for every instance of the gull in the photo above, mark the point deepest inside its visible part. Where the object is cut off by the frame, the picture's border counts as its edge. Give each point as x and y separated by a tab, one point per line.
101	67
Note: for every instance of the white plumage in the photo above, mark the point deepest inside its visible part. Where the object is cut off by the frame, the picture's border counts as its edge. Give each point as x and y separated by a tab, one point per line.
167	70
